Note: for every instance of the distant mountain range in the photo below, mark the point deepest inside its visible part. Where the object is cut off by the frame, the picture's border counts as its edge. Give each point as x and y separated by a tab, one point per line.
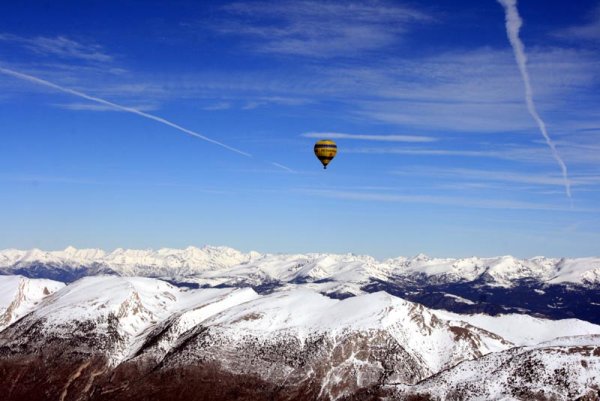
555	288
217	324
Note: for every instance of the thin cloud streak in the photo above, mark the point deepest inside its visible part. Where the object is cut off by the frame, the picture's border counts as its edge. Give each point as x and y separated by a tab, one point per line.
100	107
217	106
500	176
365	137
59	46
513	25
35	180
425	152
161	120
577	154
281	166
437	200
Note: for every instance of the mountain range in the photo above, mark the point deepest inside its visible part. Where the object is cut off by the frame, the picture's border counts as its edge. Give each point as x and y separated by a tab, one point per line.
214	323
546	287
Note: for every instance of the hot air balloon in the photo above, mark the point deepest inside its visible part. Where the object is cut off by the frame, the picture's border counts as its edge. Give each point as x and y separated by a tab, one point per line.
325	150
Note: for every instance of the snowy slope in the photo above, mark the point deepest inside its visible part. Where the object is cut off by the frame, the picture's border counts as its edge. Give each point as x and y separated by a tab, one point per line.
19	295
304	313
301	336
104	313
559	372
118	314
524	329
194	308
137	308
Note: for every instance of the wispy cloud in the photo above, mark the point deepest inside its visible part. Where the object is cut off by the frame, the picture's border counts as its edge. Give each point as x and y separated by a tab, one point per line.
35	179
467	202
456	116
60	46
529	155
100	107
457	91
252	105
575	149
369	137
319	29
427	152
246	102
588	31
39	179
217	106
515	177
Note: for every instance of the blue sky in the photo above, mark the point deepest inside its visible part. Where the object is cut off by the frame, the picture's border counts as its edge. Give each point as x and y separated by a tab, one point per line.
437	151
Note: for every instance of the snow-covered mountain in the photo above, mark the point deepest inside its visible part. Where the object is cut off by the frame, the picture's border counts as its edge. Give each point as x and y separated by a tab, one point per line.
19	295
547	287
134	338
218	265
564	369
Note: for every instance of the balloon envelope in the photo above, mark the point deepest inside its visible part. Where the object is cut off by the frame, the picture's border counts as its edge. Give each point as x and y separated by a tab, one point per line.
325	150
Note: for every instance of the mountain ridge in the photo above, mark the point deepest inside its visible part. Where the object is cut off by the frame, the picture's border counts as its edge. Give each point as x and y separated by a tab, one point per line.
193	260
547	287
129	338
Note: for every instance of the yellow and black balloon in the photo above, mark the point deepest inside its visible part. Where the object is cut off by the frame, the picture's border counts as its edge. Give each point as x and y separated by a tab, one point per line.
325	150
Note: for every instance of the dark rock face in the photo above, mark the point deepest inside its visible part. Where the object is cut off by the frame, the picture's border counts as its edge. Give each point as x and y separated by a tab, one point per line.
335	366
29	337
69	379
54	375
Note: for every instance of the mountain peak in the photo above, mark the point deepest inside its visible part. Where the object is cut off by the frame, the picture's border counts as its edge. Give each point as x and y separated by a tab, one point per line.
420	257
70	249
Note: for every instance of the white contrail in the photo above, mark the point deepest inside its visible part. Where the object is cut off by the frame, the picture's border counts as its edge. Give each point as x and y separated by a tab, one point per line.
281	166
363	137
513	25
161	120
